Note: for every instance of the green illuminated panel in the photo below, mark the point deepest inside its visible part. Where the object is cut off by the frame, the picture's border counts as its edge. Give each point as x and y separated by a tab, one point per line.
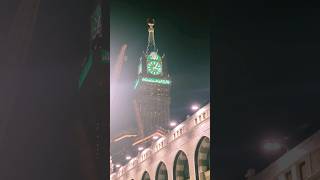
85	70
154	67
155	80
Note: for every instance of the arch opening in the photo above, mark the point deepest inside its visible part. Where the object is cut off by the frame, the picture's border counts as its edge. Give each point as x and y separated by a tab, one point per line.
162	173
145	176
202	159
181	167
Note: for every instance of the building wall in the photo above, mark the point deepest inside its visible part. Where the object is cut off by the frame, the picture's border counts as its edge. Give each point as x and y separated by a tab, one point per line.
185	137
154	105
301	163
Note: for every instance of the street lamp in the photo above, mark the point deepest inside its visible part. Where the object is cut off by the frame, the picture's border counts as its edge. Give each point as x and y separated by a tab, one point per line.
128	157
173	124
273	146
195	107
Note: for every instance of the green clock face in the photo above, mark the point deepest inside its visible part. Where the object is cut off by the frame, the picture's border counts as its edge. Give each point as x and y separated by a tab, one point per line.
154	67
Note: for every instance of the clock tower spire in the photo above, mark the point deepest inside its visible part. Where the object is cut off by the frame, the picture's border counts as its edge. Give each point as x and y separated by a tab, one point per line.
151	42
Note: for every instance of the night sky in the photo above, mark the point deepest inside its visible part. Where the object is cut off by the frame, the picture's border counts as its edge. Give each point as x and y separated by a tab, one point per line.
266	82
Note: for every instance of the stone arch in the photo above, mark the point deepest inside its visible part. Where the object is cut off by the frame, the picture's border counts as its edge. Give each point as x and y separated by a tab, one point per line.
202	159
145	176
161	173
181	167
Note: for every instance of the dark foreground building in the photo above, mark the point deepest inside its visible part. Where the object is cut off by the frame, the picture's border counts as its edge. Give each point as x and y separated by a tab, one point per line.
93	88
300	163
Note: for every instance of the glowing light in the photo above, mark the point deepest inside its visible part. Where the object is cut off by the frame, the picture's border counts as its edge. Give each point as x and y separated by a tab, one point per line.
173	124
155	137
155	80
195	107
272	146
137	82
140	148
154	68
124	136
128	157
118	165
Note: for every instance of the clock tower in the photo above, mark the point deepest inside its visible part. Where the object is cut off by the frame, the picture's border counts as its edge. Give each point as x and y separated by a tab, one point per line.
152	88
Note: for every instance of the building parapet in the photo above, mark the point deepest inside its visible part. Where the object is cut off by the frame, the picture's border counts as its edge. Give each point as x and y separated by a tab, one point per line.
200	116
303	151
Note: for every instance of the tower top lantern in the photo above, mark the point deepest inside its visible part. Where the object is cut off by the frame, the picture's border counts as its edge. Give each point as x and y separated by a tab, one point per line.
151	41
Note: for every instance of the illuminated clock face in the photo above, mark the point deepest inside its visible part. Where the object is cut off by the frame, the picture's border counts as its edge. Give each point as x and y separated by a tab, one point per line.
154	67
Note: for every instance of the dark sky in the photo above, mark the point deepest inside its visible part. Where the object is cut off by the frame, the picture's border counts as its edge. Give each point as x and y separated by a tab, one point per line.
181	34
266	82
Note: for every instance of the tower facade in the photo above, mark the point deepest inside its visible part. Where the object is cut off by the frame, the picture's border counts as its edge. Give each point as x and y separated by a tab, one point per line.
93	87
152	88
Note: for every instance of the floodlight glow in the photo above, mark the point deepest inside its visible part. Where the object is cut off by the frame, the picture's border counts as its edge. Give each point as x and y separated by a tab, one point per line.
195	107
272	146
128	157
173	124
